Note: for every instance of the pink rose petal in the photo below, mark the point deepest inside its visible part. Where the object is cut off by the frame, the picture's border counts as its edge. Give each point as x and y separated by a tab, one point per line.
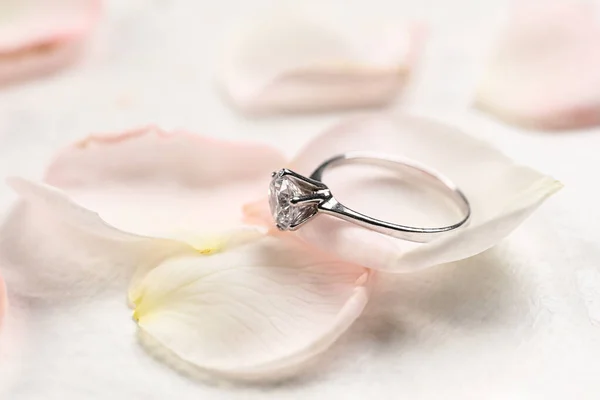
153	183
501	193
50	247
3	300
142	193
545	71
294	65
40	36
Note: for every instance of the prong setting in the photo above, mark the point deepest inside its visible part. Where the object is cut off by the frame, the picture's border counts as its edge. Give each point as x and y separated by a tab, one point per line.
314	198
294	199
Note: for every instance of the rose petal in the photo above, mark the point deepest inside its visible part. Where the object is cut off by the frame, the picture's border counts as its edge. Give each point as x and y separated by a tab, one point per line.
501	193
173	186
3	301
50	246
545	70
39	36
152	190
289	64
76	255
47	218
256	312
57	204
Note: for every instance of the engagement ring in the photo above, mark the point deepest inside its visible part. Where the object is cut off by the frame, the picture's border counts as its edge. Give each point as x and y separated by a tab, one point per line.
296	199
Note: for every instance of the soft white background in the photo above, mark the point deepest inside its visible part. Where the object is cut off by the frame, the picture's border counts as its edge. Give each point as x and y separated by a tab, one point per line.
521	321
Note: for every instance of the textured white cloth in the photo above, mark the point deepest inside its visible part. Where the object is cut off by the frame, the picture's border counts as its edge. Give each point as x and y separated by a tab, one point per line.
520	321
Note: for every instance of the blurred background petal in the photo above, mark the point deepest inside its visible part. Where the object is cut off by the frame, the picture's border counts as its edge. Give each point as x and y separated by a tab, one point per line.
40	36
3	301
545	70
291	64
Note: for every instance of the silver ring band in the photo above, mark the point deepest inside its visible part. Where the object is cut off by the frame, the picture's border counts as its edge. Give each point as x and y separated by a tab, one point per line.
295	199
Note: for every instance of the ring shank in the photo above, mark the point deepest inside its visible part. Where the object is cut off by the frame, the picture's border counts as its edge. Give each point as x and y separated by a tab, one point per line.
414	234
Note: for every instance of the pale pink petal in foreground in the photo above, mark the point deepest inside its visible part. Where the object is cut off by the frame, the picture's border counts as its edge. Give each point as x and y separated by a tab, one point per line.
256	312
40	36
51	247
502	194
545	70
294	65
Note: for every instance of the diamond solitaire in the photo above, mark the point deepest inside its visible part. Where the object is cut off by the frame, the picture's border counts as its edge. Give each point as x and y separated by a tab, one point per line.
293	198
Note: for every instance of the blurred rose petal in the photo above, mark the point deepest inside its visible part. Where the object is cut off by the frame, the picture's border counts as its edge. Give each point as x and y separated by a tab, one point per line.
40	36
271	304
3	301
502	194
259	311
293	65
545	71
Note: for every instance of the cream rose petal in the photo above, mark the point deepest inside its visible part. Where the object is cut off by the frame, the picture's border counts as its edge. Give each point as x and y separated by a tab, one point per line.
259	311
502	194
545	70
293	65
39	36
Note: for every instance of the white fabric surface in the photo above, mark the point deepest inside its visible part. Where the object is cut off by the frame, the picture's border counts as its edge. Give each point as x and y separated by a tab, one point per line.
518	322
